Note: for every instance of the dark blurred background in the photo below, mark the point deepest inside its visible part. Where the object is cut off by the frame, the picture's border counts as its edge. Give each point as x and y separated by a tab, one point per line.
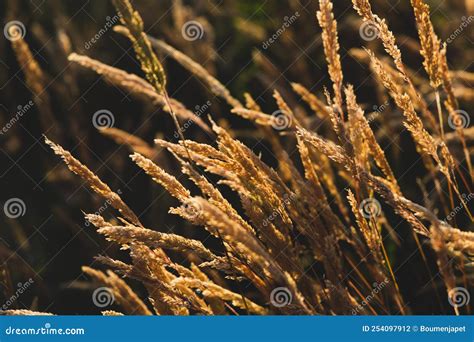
51	241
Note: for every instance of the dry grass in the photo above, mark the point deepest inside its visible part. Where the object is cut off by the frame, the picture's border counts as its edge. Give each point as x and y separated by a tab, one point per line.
314	225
